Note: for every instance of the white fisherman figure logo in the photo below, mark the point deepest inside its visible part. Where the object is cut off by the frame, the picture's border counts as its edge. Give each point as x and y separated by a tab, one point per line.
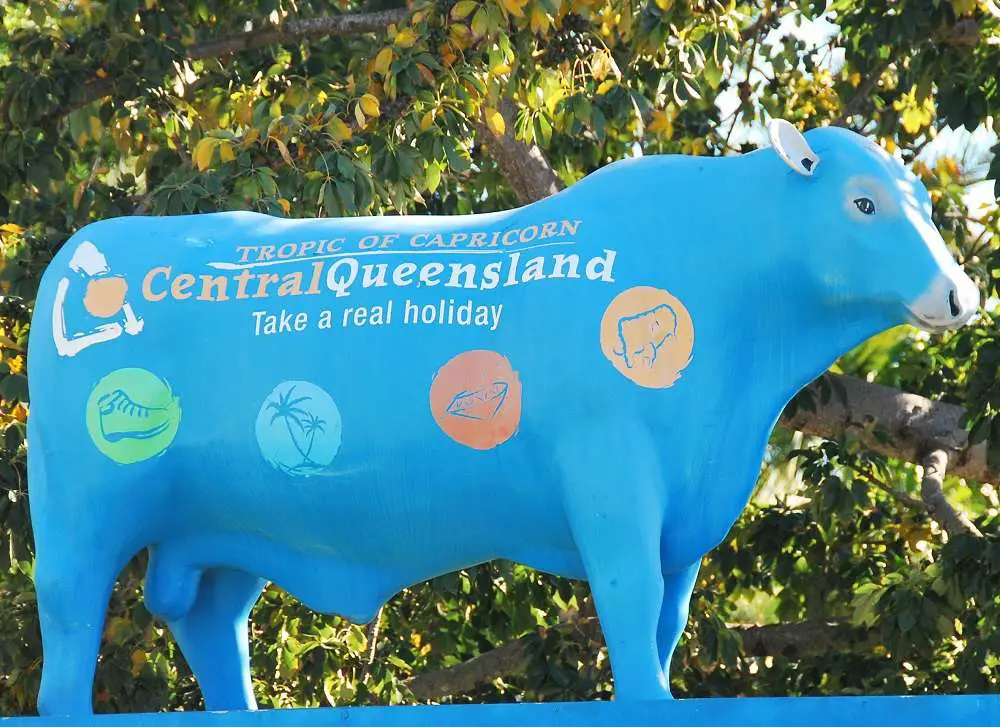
104	298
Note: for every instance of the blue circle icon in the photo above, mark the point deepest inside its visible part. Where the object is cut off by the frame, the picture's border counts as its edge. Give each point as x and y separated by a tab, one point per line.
299	428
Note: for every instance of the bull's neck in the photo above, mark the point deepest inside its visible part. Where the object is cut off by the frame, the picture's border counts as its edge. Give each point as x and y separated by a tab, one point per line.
792	332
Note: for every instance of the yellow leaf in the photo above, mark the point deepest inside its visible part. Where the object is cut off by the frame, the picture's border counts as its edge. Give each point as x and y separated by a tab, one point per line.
16	364
426	73
855	79
463	9
283	150
406	38
514	7
285	205
539	20
495	121
243	113
600	65
226	152
949	167
11	228
913	119
96	128
662	124
338	129
20	413
963	7
359	116
382	61
101	73
203	153
138	659
500	69
665	5
78	194
250	137
432	178
369	104
606	86
427	120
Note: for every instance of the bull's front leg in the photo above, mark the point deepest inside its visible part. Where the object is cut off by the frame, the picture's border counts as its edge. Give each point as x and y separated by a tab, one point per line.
614	497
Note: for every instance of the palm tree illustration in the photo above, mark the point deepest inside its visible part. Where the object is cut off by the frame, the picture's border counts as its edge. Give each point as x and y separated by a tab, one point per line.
286	408
313	426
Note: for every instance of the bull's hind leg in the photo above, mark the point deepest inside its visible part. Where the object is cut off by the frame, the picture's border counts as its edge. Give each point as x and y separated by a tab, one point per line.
207	612
614	502
214	636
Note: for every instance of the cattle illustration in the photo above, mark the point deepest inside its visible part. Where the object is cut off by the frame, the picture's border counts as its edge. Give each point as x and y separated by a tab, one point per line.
567	465
641	335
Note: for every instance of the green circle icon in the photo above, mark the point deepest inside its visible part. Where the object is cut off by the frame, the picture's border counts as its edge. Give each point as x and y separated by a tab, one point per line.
132	415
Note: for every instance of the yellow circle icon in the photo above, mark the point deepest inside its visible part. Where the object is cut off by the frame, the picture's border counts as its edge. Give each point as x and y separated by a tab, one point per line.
648	335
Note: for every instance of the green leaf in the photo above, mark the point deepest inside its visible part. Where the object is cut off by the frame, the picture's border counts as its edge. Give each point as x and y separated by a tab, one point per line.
14	388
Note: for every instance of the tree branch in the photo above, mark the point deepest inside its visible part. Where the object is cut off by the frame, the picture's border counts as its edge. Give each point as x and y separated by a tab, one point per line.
525	167
291	31
953	521
910	424
508	659
908	427
864	92
791	640
803	639
299	29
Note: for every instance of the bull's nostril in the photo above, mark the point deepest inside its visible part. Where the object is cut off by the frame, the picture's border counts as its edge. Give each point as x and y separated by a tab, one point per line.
953	303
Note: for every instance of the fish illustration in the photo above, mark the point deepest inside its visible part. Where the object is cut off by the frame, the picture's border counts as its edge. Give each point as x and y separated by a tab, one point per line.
480	404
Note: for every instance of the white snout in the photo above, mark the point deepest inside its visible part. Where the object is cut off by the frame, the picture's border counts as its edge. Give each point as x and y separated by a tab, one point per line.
950	302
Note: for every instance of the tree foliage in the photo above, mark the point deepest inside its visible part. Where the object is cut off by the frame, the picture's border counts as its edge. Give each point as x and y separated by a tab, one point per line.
311	108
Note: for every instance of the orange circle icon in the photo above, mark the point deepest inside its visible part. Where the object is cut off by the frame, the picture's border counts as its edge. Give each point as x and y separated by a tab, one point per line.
105	296
476	399
648	335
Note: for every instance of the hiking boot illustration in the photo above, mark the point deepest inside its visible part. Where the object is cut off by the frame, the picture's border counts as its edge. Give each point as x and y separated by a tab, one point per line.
121	418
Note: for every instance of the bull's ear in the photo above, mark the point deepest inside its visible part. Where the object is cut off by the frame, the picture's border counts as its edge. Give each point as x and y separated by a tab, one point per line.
792	147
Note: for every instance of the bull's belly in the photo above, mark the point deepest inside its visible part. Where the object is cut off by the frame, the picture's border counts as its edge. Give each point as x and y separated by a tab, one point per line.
377	523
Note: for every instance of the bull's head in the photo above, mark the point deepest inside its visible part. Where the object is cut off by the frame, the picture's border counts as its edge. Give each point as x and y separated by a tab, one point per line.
869	220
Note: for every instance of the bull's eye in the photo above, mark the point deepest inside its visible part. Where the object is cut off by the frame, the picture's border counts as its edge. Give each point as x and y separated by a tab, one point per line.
865	205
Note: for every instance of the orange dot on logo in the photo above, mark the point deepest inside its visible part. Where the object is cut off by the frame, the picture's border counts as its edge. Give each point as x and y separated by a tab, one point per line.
476	399
105	296
648	335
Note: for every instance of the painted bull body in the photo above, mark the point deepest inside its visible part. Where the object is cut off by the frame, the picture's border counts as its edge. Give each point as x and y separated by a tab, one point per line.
346	407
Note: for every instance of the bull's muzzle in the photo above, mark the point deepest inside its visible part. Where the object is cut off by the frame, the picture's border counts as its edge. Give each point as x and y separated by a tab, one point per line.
951	302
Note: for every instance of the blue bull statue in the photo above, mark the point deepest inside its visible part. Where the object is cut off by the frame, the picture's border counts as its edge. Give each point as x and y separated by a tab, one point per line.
346	407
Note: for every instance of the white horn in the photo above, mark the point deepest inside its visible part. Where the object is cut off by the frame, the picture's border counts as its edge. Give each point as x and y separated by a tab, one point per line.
792	147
